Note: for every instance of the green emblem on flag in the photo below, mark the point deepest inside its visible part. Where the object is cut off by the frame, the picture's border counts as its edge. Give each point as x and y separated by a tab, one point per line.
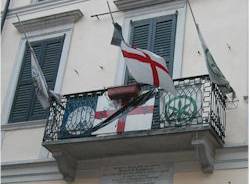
181	110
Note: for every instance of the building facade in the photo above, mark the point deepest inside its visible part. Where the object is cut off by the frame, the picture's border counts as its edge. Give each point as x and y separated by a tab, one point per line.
206	144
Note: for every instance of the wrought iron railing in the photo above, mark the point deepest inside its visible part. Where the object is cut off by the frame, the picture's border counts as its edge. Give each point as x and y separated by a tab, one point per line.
198	103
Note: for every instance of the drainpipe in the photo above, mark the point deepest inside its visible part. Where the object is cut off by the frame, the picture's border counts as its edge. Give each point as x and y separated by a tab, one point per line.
5	11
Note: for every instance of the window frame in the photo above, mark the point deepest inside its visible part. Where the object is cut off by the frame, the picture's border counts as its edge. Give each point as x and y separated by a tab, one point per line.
37	36
153	12
37	1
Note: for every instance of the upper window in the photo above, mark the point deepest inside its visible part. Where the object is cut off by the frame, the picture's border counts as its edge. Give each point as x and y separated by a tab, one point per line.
25	105
156	35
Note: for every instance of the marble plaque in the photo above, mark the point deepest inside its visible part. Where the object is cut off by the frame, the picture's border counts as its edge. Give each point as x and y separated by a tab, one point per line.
153	173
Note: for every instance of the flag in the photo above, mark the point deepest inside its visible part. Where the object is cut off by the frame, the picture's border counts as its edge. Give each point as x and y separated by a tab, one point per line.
137	118
117	35
215	74
39	81
147	67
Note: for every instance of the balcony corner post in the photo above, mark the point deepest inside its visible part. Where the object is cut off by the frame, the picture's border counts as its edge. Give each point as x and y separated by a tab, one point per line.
66	165
206	153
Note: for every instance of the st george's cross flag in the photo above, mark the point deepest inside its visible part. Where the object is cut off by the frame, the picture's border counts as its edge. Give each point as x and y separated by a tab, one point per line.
140	118
214	71
147	67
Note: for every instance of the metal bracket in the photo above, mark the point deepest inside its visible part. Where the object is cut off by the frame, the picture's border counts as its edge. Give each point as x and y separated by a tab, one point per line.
66	165
206	153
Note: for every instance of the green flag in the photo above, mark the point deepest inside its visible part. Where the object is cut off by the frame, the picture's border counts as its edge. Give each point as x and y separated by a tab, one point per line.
215	74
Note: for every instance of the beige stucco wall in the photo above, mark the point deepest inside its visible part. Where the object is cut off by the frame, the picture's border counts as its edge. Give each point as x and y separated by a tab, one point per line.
236	176
218	177
22	144
221	22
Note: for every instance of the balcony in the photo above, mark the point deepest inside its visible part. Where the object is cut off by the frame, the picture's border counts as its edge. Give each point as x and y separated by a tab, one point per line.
196	116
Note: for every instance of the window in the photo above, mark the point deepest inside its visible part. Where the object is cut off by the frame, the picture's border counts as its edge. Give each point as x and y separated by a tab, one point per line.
156	35
25	105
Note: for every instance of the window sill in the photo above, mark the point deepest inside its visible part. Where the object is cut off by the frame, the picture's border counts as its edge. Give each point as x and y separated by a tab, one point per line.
24	125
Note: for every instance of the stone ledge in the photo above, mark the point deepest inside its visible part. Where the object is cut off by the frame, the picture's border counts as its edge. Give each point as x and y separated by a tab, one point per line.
29	171
48	21
24	125
124	5
41	6
34	170
134	134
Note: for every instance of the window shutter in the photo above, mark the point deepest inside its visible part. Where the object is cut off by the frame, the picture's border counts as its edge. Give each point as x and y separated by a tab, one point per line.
141	34
163	42
25	105
140	38
51	56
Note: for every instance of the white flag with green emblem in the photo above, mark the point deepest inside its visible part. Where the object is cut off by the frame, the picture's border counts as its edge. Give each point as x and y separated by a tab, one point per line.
43	93
215	73
39	81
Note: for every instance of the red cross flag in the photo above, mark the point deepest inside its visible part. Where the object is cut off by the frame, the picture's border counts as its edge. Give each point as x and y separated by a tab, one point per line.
138	119
147	67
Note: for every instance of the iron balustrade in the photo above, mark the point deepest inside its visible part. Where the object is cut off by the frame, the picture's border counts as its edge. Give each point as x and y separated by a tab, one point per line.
198	103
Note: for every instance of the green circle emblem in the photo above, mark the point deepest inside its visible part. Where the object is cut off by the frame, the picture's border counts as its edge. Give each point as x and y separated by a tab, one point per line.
181	109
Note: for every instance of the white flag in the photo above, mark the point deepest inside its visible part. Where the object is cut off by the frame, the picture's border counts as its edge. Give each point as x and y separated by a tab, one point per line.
39	82
147	67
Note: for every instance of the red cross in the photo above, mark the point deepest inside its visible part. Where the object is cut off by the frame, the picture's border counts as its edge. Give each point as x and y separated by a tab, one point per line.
147	59
121	122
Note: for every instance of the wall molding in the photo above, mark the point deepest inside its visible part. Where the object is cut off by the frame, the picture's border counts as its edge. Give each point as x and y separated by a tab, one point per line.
41	6
235	157
124	5
48	21
225	158
24	125
30	171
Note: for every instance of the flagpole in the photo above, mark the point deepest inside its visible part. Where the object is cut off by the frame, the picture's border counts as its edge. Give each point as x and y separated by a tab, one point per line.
112	18
113	22
24	32
192	13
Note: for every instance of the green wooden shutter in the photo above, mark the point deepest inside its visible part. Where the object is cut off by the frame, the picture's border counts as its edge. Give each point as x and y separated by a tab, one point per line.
25	105
140	37
163	42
